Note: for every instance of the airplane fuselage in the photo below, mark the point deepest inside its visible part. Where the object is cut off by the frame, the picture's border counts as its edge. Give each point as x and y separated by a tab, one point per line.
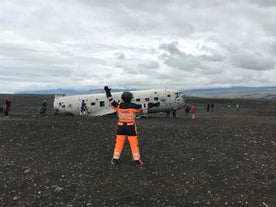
97	104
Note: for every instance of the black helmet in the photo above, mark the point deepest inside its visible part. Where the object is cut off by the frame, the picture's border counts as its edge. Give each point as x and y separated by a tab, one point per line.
127	96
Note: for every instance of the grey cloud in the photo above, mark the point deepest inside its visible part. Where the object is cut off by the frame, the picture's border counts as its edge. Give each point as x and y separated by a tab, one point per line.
37	56
213	58
262	3
129	68
149	65
171	48
178	59
182	62
120	55
253	61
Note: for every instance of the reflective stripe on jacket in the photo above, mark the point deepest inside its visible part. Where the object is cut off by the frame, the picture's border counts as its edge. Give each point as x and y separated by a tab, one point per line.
127	115
126	111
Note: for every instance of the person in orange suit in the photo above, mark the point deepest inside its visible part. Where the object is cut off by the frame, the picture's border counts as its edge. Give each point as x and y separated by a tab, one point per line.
126	126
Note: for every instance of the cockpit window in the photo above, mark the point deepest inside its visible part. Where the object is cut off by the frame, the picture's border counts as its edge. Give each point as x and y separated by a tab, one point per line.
138	99
155	98
147	99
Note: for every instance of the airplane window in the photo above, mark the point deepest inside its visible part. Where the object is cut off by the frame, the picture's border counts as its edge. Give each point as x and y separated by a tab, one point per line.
155	98
93	103
169	95
147	99
69	105
102	103
138	99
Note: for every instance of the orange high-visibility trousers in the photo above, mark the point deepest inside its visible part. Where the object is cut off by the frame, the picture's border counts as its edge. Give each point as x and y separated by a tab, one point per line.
133	141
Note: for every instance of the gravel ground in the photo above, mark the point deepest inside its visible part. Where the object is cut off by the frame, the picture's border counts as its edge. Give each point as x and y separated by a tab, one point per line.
223	158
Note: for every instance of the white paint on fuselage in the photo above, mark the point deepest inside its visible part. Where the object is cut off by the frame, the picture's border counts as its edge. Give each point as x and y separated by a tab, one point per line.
97	104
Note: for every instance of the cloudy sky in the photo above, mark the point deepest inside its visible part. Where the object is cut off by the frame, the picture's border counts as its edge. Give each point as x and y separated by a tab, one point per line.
181	44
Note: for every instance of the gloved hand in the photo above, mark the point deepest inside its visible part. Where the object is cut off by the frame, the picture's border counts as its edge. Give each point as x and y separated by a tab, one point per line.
150	105
107	91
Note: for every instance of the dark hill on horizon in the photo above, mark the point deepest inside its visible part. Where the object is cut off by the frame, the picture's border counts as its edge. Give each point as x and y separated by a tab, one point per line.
233	92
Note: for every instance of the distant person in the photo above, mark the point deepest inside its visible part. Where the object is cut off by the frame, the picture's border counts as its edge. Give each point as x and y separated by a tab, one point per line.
7	107
208	107
212	107
174	113
43	107
193	111
237	107
187	110
83	108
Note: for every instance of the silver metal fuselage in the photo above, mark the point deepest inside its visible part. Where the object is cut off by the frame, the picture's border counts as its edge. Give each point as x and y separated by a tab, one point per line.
97	104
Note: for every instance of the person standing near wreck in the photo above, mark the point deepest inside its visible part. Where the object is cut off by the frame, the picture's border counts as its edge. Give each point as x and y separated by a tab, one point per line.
237	107
193	111
83	108
43	107
7	107
187	110
212	107
126	126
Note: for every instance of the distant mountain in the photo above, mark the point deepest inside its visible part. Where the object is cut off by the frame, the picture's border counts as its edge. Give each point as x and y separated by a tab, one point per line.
235	92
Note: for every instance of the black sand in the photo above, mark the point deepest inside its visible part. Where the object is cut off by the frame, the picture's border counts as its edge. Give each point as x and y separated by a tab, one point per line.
223	158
